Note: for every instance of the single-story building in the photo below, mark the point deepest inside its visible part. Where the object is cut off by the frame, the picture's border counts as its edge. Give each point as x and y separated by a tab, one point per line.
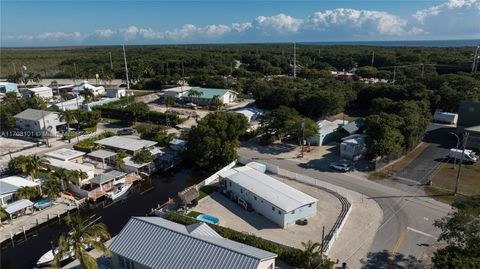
273	199
352	146
469	120
251	113
176	92
473	141
8	87
178	144
10	185
85	85
18	207
122	143
102	156
353	127
116	93
445	117
154	242
39	122
89	170
72	104
130	166
44	92
207	95
106	181
65	155
327	132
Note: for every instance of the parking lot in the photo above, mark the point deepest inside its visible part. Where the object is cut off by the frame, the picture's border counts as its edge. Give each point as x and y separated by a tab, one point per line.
233	216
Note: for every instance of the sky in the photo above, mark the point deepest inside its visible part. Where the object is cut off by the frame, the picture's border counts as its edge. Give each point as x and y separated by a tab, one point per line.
111	22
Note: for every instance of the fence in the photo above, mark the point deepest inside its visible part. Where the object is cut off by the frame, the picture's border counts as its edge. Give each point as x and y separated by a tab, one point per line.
341	193
214	177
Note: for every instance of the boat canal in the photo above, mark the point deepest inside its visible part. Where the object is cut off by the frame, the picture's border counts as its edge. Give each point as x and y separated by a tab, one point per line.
142	197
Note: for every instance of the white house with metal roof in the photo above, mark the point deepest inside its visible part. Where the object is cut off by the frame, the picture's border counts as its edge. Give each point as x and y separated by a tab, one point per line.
10	185
66	155
42	91
157	243
326	131
89	170
206	95
122	143
273	199
38	123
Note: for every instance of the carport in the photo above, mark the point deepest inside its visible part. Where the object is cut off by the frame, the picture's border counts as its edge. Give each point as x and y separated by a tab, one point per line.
18	207
102	156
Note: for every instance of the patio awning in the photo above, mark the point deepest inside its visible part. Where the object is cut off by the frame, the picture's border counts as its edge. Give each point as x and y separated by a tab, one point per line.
101	154
188	195
17	206
107	177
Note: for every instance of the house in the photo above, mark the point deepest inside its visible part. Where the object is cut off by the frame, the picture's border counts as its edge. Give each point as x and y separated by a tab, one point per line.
116	93
352	146
327	132
342	74
469	120
39	122
8	87
10	185
176	92
66	155
157	243
178	144
130	166
473	141
273	199
445	117
85	85
89	170
206	96
251	113
72	104
102	156
353	127
44	92
122	143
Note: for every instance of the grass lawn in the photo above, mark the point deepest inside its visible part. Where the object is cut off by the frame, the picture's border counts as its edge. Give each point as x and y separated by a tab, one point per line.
399	164
194	214
469	183
206	190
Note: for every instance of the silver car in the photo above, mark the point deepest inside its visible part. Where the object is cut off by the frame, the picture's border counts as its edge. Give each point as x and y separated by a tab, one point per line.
344	167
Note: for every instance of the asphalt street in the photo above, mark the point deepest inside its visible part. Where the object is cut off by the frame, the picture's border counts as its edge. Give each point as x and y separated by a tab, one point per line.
407	225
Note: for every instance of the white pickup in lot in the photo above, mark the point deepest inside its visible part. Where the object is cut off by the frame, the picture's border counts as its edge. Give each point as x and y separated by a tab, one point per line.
468	155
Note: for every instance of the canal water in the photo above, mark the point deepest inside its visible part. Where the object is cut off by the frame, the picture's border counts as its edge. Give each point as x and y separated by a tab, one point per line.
142	197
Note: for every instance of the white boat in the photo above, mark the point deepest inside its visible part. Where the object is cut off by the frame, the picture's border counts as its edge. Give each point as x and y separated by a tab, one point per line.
118	191
47	258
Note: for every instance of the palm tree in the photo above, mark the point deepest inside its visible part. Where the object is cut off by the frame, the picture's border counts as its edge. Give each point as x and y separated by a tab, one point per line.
76	176
194	93
310	253
81	237
3	213
27	193
61	176
119	162
87	95
51	188
34	165
68	116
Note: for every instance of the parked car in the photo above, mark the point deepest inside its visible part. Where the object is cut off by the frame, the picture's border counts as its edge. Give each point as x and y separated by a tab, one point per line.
127	131
302	222
468	155
344	167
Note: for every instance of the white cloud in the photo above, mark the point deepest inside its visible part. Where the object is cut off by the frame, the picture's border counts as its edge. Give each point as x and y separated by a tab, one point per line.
242	27
215	31
358	21
76	36
186	31
422	15
18	37
104	33
130	32
150	34
280	23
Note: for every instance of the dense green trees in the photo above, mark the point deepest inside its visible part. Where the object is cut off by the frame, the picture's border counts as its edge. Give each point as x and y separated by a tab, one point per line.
383	134
461	230
28	165
12	105
213	143
143	156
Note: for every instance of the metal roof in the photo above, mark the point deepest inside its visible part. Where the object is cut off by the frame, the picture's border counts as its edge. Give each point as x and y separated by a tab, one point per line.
354	126
65	154
106	177
101	154
125	143
32	114
17	206
158	243
209	93
70	165
13	183
277	193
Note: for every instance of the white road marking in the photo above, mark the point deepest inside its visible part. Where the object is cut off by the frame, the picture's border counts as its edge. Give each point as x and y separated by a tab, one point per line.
420	232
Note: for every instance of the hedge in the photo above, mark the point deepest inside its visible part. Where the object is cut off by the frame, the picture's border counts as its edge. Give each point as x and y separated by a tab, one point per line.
290	255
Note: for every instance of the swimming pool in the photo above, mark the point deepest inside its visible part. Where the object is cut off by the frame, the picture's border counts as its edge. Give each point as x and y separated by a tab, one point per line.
208	219
43	203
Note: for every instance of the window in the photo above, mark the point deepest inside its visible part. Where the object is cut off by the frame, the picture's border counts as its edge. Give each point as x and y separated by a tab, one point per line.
273	208
121	261
293	212
230	183
279	212
270	266
310	205
255	198
241	190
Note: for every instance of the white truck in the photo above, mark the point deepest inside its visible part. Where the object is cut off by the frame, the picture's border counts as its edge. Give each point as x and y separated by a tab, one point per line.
468	155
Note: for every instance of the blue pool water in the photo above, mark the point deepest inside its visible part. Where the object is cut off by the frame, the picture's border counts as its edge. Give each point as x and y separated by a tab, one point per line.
42	203
208	218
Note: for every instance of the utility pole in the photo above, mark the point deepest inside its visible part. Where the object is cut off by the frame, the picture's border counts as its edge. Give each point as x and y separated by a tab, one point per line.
475	60
111	63
303	134
44	129
394	73
126	69
423	70
14	69
465	139
75	73
456	147
295	61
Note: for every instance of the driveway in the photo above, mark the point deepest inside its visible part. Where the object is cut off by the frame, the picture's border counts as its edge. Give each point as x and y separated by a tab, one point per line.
440	140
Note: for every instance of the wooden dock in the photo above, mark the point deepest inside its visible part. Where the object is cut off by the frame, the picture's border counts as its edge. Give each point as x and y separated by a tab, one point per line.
97	193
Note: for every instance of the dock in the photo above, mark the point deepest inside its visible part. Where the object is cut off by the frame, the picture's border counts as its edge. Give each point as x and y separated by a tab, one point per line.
21	225
97	193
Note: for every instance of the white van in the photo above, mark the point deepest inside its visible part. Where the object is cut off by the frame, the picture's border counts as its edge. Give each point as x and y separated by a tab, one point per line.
468	156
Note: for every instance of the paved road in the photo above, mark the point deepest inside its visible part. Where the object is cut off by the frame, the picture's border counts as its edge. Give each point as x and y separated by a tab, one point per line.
407	220
440	141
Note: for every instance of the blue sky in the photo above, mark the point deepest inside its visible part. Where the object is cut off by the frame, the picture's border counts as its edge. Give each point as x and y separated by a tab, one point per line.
74	22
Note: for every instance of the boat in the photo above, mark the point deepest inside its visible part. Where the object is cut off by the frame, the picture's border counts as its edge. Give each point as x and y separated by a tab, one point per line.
47	258
42	204
118	191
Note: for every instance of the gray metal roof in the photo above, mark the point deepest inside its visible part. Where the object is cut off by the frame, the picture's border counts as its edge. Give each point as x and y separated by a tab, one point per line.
101	154
158	243
125	143
32	114
17	206
275	192
354	126
106	177
7	188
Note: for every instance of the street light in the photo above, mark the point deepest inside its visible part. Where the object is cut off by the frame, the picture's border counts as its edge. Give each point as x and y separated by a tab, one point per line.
456	147
303	134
